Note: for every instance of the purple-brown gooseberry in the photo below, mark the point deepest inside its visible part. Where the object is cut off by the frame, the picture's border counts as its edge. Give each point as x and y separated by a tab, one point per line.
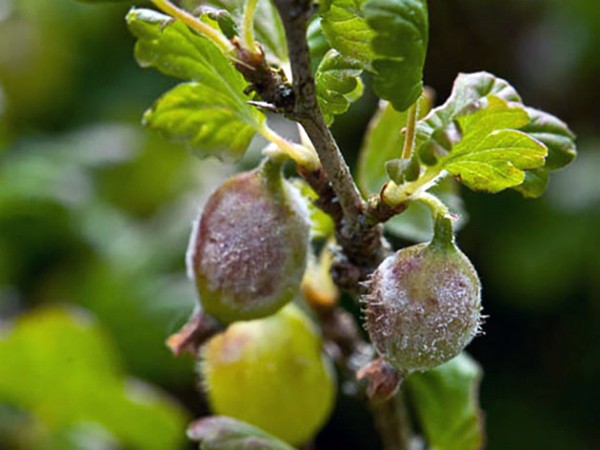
423	305
248	250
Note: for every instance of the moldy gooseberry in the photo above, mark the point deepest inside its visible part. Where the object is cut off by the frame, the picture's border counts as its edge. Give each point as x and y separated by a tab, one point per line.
423	303
248	251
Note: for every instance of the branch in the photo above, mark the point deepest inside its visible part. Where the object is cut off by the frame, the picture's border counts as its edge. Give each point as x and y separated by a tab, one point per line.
349	351
392	423
361	240
358	230
295	14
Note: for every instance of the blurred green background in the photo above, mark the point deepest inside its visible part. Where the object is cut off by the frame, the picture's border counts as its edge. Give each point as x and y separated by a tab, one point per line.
95	214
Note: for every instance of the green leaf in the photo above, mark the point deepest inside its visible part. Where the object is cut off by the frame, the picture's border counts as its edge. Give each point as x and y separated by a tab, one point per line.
388	37
268	28
223	19
554	134
211	121
383	141
492	114
338	84
535	183
445	400
317	43
171	47
491	156
211	113
400	45
60	367
225	433
437	132
345	27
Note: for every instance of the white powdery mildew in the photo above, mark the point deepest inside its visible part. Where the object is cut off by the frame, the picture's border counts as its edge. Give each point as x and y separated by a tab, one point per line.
423	307
241	247
250	248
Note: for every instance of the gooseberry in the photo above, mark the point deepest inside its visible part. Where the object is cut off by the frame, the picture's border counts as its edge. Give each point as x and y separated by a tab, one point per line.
272	374
423	304
248	250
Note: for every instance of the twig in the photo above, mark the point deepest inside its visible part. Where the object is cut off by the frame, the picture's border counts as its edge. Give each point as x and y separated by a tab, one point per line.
294	14
392	422
361	241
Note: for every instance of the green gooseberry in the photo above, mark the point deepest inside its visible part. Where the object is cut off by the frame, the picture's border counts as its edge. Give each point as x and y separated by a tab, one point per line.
272	374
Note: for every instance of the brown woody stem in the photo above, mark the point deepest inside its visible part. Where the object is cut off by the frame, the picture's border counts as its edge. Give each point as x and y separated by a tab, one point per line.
295	14
392	423
361	240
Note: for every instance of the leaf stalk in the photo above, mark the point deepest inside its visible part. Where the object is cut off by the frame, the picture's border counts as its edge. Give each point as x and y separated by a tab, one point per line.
195	24
394	194
304	156
411	122
437	207
247	33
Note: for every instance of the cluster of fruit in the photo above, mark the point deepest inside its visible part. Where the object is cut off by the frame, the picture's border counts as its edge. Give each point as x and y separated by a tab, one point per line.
248	255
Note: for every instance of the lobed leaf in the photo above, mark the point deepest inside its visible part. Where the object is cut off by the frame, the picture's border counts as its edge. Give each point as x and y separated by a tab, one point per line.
534	184
559	140
492	155
492	114
445	400
171	47
211	113
344	25
269	30
211	121
436	130
554	134
399	44
338	84
388	37
495	164
225	433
